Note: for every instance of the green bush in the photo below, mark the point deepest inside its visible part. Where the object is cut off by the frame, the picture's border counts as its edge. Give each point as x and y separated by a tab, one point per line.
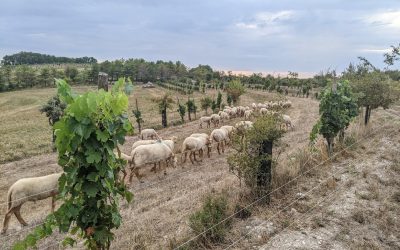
214	210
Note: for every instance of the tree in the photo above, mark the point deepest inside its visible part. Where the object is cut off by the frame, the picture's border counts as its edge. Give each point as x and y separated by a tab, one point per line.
206	103
191	108
219	100
375	90
93	126
337	108
181	110
45	77
164	102
229	99
138	116
393	55
54	110
252	157
71	72
214	106
235	89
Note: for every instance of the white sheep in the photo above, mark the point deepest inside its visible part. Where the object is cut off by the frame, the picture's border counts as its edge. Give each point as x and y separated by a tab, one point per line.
247	114
220	136
150	154
224	116
215	119
263	111
148	133
205	119
194	143
244	125
254	106
29	189
287	121
229	129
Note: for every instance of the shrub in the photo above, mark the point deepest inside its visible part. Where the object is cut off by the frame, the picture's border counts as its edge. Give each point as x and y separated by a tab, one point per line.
213	211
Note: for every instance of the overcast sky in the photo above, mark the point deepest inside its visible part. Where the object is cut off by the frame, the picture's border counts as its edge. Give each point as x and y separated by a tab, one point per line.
254	35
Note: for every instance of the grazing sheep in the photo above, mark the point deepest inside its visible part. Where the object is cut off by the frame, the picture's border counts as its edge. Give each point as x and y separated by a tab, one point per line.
244	125
263	111
149	133
220	136
247	114
229	129
170	143
194	143
205	119
287	121
287	104
150	154
30	189
215	119
233	111
224	116
254	106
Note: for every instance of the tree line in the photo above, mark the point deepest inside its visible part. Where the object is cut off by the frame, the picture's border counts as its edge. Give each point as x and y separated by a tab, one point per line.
31	58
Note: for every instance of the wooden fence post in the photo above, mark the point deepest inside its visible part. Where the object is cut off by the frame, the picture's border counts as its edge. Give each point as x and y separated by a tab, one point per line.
102	82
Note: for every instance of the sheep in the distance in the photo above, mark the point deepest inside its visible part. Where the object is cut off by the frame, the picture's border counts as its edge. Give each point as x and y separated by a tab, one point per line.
215	119
247	114
29	189
287	121
206	120
224	116
148	133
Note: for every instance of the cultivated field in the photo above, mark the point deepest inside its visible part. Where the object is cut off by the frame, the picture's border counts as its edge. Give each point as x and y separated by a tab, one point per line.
351	202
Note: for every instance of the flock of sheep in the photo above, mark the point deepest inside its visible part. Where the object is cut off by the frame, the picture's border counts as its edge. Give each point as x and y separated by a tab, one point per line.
151	149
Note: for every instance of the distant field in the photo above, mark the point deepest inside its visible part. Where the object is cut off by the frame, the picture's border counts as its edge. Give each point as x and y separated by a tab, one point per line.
25	131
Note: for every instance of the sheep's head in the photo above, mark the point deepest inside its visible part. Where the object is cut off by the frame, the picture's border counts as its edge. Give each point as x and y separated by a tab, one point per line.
174	139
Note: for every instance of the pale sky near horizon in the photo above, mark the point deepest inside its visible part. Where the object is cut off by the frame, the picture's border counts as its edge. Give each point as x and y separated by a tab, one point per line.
251	35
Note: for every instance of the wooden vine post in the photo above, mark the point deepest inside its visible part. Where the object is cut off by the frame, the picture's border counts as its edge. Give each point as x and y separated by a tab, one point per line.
138	116
102	82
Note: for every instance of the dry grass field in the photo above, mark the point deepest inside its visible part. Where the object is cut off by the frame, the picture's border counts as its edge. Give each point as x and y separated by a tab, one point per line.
329	201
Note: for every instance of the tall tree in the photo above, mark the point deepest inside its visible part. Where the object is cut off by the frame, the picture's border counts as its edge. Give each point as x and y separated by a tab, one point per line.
206	103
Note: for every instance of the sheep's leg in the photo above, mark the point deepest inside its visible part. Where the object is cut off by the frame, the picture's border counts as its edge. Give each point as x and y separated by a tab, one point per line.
123	178
185	157
154	168
218	148
17	212
53	203
223	147
194	153
191	157
7	220
136	172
